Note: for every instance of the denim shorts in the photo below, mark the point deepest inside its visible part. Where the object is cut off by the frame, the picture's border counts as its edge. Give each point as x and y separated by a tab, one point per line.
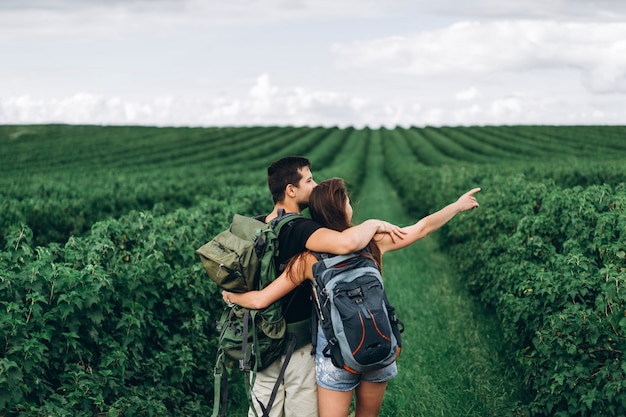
330	377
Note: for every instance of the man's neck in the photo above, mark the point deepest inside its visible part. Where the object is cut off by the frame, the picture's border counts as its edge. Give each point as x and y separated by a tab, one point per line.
289	208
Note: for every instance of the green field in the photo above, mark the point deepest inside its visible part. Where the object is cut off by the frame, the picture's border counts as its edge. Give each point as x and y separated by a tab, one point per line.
514	309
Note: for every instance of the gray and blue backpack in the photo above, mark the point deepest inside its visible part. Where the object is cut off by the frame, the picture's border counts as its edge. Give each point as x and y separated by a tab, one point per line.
360	324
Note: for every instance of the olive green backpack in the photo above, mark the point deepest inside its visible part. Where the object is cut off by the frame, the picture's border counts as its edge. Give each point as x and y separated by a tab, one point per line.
241	259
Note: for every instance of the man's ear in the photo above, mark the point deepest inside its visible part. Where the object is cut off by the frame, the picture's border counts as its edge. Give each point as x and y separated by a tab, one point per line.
290	190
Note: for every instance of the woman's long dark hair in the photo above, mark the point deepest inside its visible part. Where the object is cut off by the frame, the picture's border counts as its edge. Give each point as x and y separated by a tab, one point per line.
327	205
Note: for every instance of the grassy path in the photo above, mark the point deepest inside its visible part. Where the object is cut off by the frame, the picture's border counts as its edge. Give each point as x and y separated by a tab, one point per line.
451	363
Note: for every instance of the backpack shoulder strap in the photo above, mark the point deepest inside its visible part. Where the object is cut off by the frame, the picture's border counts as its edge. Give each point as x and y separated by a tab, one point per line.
260	217
334	260
283	218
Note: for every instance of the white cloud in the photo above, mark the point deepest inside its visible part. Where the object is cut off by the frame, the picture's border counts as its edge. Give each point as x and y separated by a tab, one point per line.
266	104
506	108
597	50
467	95
303	107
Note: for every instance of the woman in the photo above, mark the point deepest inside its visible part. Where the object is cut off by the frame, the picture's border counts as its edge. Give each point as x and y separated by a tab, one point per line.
329	205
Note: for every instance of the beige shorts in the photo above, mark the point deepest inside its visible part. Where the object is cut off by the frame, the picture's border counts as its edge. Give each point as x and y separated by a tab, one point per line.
297	395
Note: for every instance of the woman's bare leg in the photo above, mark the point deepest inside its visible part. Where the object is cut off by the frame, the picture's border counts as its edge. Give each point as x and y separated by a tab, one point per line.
333	403
369	398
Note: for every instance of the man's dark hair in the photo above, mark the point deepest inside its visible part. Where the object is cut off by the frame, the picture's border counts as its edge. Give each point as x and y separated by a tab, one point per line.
283	172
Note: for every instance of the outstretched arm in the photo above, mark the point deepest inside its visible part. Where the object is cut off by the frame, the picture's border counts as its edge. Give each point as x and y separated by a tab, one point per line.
430	223
352	239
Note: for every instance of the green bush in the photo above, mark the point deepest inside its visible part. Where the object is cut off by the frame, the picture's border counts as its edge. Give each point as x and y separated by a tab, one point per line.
552	262
119	322
550	257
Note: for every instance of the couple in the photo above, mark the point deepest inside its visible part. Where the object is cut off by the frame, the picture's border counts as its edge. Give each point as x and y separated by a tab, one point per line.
312	386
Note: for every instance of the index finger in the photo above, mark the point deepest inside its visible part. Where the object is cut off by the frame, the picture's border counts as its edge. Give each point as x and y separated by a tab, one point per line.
473	191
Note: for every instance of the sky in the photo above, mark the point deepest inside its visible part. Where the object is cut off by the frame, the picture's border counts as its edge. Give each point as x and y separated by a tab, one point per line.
360	63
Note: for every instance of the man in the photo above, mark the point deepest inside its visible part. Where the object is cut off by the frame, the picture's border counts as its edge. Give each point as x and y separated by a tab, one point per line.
290	181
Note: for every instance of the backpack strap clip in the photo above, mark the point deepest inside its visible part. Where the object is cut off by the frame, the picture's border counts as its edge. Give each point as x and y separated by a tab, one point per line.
332	342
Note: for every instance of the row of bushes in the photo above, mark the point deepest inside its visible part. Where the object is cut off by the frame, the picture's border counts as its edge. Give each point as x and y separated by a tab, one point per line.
551	260
65	178
118	322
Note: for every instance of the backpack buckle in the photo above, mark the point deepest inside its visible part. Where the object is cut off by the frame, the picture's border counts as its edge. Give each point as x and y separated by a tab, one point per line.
244	366
326	351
